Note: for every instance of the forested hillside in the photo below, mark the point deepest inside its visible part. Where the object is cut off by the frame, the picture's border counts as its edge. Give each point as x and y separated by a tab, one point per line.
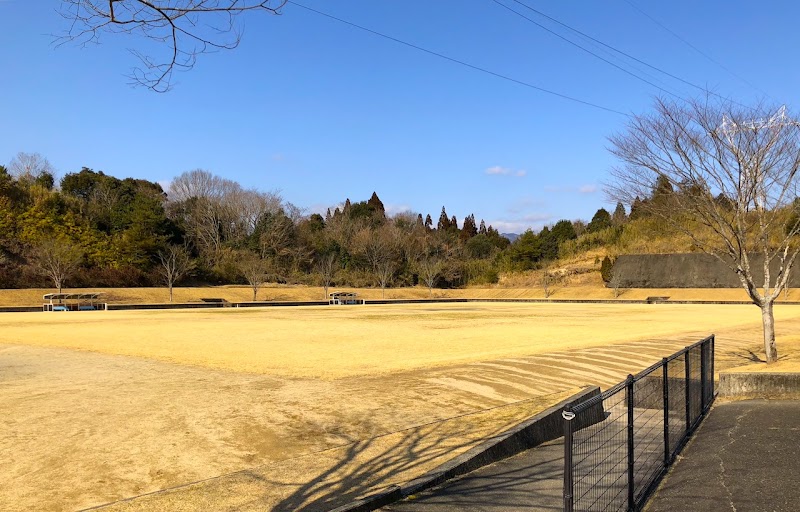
94	230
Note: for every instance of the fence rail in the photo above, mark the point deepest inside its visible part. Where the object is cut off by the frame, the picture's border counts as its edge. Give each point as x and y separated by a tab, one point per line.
619	444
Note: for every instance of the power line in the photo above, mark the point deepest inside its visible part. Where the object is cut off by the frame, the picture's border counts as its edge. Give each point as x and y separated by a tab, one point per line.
573	43
617	50
461	62
693	47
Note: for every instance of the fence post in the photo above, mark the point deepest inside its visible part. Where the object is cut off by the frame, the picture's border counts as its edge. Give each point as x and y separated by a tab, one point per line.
665	372
569	500
629	390
703	363
688	378
713	357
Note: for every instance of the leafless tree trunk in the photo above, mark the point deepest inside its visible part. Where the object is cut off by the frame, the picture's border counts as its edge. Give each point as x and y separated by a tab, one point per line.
327	266
616	280
379	248
733	171
430	268
183	28
384	271
254	270
175	263
547	283
56	259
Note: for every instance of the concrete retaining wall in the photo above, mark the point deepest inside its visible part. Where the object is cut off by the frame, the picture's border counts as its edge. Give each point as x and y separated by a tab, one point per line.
543	427
20	309
758	385
693	270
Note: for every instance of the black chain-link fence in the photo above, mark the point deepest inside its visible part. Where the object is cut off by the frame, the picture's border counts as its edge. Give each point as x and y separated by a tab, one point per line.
618	444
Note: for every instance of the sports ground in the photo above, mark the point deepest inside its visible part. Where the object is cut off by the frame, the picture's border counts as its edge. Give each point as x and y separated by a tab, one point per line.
298	408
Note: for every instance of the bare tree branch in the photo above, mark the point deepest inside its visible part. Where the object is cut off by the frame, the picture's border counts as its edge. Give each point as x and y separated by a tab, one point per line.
175	263
733	173
184	29
56	259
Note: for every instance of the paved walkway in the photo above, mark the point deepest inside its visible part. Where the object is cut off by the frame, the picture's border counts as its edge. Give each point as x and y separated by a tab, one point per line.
745	457
530	481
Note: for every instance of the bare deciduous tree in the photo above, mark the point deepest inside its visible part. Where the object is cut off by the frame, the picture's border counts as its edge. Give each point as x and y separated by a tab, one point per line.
379	248
616	281
429	267
547	280
30	166
327	265
56	259
254	269
733	171
183	28
175	263
216	210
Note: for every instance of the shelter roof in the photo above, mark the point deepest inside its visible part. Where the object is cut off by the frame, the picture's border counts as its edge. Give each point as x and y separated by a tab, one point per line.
71	296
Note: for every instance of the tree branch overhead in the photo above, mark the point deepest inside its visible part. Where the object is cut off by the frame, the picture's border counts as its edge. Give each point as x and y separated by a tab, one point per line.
183	29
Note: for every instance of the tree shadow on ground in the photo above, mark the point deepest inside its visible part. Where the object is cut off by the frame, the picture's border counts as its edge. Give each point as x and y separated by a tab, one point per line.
529	479
366	466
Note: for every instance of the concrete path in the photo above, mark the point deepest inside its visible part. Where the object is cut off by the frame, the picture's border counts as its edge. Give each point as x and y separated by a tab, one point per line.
530	481
745	457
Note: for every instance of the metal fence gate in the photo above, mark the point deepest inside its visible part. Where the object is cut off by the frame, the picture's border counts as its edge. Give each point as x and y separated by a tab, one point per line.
618	445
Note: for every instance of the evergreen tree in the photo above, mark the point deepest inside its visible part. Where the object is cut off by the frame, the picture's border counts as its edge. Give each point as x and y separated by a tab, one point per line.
548	244
563	231
526	251
377	205
637	209
600	221
444	221
482	229
468	229
662	187
606	268
428	222
618	217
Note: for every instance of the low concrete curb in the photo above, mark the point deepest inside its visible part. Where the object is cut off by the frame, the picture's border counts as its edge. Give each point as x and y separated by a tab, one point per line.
758	385
21	309
211	305
542	427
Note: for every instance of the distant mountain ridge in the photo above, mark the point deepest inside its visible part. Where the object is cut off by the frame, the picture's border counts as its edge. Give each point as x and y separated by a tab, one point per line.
511	236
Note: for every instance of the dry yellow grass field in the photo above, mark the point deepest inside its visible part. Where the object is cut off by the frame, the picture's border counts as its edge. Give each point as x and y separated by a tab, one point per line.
299	408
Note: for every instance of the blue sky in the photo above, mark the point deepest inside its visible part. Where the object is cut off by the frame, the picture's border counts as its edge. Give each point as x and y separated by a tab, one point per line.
322	111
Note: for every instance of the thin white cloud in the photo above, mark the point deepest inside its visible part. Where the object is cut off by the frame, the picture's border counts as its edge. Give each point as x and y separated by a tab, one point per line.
394	209
505	171
583	189
320	208
534	221
524	204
